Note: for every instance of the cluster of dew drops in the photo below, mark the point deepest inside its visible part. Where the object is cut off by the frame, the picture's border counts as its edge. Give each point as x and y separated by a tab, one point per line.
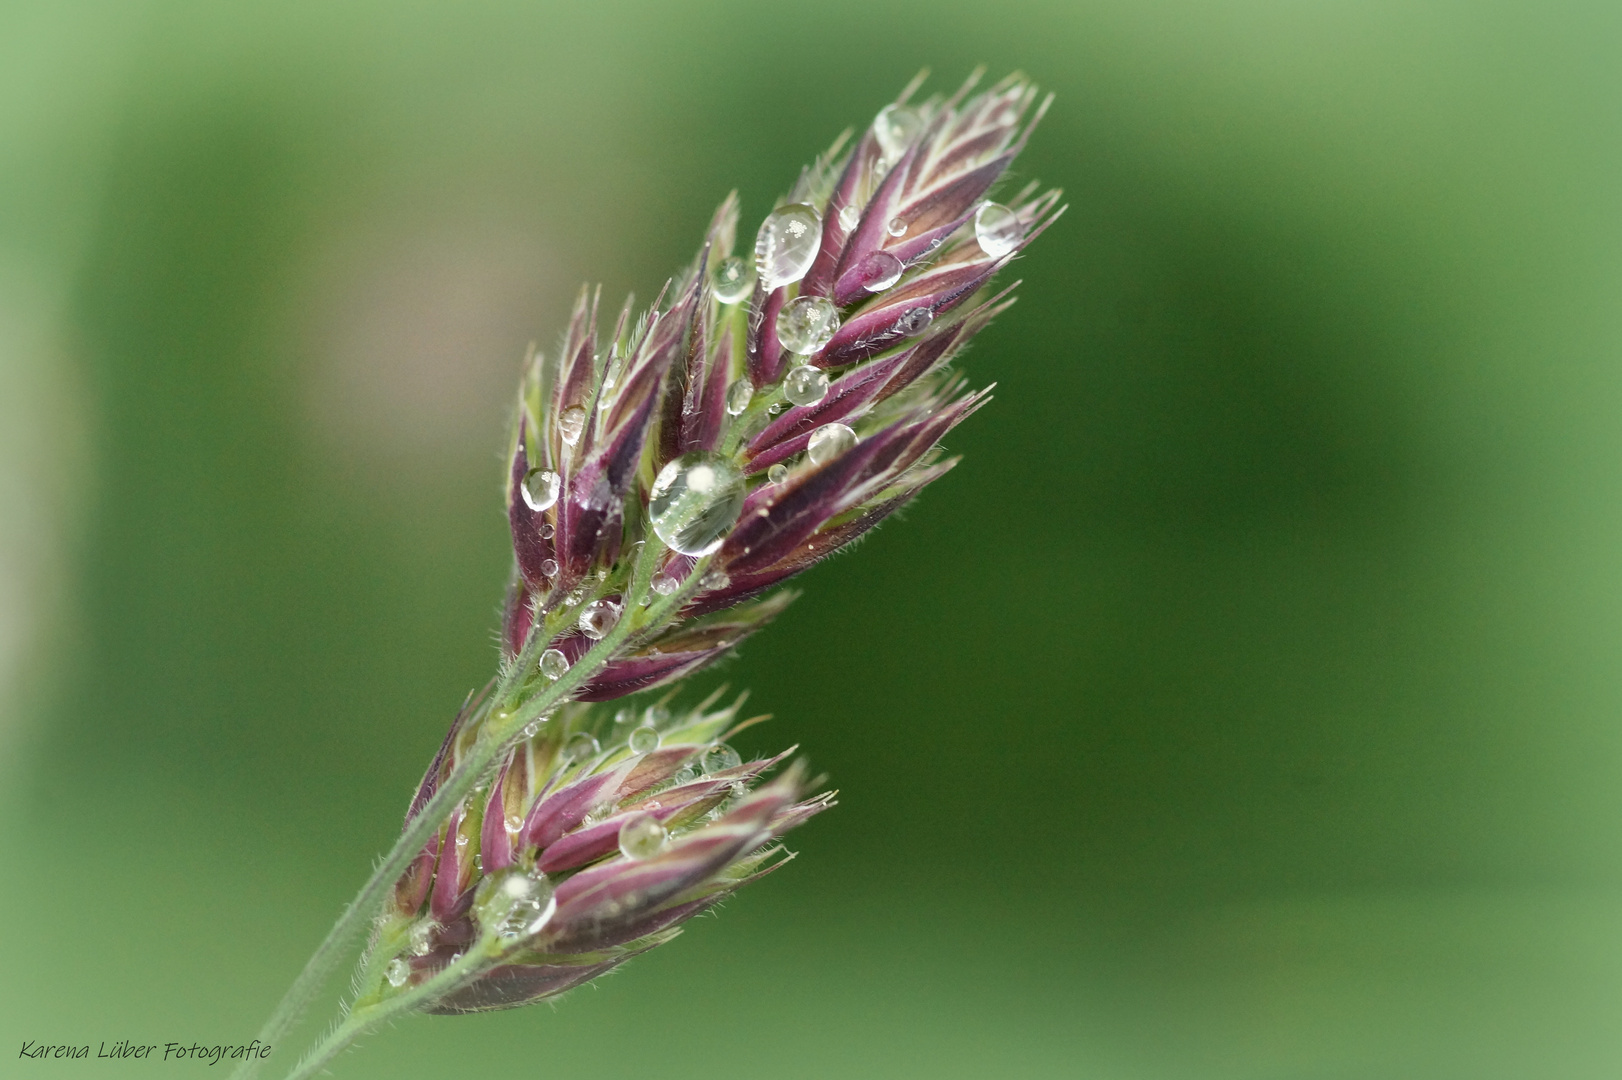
696	499
523	903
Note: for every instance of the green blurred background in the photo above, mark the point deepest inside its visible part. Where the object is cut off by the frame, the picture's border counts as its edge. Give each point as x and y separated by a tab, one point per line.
1245	705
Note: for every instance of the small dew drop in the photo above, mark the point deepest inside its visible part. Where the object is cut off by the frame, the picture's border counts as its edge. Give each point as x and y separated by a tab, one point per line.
540	489
655	715
719	757
828	442
624	716
739	789
644	740
581	745
685	775
733	281
715	579
641	837
738	396
787	245
776	409
598	618
777	474
879	271
914	321
849	216
554	664
805	385
397	972
546	532
532	729
695	501
664	585
997	229
571	423
806	323
896	127
549	567
897	227
512	822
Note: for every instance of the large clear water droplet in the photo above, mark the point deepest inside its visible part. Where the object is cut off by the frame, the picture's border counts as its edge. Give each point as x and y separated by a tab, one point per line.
720	757
571	423
897	227
733	281
914	321
644	740
581	745
997	229
554	664
778	473
896	127
805	385
397	972
806	323
540	489
695	501
739	395
787	245
641	837
828	442
530	903
598	618
879	270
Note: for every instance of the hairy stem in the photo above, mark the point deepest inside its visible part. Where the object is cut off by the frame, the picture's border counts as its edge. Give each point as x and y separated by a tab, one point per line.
501	730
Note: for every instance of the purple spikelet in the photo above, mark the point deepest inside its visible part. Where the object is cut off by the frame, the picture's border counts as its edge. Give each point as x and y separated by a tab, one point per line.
662	481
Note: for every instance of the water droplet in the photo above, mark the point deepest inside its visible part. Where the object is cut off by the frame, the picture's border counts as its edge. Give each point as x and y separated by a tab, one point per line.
787	245
529	905
897	227
641	837
549	567
664	585
684	775
739	789
397	972
828	442
599	813
624	716
777	474
806	323
695	501
655	715
574	595
644	740
512	823
598	618
546	533
997	228
532	729
715	579
554	663
895	127
805	385
879	270
914	321
732	280
738	396
849	216
421	937
540	489
581	745
721	756
775	409
571	423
